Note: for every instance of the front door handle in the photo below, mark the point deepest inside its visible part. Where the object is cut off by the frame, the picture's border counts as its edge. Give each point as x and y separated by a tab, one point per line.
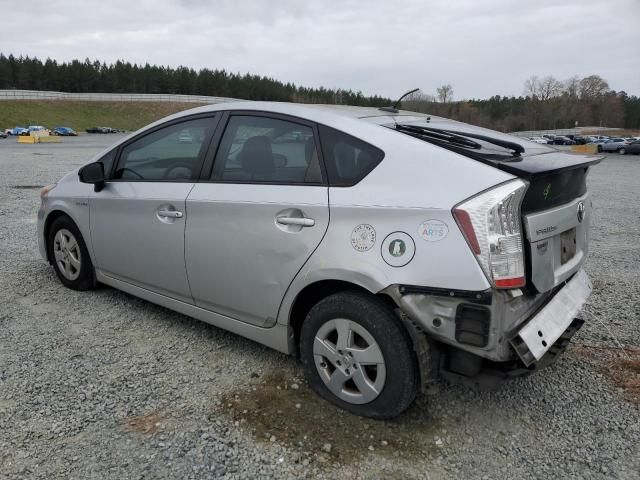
300	221
169	213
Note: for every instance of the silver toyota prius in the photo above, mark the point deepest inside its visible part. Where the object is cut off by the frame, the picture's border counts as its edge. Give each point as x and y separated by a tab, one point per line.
387	249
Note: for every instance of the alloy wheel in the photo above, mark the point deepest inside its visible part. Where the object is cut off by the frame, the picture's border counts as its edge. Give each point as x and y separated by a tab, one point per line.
349	361
67	254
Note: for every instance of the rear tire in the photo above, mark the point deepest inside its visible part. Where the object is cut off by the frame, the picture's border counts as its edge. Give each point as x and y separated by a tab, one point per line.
69	255
622	151
357	355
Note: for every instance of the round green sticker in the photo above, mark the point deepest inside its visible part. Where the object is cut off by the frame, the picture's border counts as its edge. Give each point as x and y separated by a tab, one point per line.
397	248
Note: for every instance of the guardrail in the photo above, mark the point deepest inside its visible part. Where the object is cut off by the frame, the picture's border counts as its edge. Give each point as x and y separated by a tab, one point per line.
110	97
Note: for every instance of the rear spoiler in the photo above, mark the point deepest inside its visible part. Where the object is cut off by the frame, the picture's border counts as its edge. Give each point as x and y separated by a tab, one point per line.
532	166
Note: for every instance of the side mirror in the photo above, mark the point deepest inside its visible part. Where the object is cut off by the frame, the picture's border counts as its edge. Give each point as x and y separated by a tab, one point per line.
93	173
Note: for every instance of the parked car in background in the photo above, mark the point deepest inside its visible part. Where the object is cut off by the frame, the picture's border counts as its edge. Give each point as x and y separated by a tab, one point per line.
98	130
632	148
562	140
103	130
328	245
64	132
15	131
36	128
3	135
612	145
581	140
540	140
185	137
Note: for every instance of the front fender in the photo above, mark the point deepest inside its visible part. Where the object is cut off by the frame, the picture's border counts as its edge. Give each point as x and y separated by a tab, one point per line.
71	198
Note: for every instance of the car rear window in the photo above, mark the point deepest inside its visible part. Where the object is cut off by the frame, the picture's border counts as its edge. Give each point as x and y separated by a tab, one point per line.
348	159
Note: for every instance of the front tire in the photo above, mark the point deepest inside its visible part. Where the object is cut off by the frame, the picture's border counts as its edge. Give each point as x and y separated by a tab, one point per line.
69	255
358	356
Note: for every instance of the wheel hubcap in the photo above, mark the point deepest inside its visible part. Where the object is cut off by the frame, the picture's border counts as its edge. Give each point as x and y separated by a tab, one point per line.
349	361
67	254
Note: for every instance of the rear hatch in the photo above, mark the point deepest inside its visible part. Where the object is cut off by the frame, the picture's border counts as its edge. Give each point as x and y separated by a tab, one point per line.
556	209
556	215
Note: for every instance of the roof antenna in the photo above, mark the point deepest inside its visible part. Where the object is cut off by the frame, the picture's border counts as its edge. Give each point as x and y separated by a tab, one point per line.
394	107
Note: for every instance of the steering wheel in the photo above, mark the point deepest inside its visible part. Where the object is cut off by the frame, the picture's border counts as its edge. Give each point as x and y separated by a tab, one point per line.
127	169
280	160
186	174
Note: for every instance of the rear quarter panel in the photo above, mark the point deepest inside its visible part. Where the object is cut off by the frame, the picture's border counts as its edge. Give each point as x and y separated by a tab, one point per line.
416	182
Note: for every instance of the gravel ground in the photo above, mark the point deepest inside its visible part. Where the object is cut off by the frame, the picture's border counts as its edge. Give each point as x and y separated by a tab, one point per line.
103	385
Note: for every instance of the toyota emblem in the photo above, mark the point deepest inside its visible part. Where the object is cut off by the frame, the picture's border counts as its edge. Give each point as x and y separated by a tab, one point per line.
581	211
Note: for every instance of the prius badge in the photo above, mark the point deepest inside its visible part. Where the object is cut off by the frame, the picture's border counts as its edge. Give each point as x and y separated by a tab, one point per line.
581	211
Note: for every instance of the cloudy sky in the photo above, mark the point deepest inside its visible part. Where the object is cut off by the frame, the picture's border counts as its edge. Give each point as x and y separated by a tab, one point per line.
482	48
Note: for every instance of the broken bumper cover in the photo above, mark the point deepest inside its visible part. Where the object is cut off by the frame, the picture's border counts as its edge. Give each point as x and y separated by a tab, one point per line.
540	333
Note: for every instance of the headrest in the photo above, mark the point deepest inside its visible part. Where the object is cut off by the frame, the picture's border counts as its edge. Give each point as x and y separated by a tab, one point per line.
257	156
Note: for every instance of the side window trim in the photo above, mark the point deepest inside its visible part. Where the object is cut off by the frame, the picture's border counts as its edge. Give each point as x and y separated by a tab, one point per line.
214	116
214	145
207	170
114	151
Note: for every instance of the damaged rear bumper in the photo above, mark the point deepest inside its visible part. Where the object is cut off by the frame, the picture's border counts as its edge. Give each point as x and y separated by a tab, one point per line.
498	336
543	330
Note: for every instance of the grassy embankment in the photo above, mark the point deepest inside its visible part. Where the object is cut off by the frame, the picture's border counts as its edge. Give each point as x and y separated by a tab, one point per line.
82	115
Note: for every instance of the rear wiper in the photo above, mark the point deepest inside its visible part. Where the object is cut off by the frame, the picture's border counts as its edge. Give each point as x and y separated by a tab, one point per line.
516	147
438	135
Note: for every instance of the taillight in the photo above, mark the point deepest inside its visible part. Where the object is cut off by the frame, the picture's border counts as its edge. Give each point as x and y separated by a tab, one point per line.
492	227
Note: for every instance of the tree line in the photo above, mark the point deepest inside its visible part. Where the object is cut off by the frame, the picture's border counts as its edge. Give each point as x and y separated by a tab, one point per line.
29	73
546	103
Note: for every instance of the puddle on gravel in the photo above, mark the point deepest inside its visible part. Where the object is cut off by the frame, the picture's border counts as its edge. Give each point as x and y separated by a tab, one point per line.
271	409
147	424
622	367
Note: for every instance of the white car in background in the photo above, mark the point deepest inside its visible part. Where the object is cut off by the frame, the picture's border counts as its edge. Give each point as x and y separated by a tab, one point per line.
540	140
612	145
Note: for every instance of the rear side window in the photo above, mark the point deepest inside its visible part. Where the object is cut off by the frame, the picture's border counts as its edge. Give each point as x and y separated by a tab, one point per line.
348	159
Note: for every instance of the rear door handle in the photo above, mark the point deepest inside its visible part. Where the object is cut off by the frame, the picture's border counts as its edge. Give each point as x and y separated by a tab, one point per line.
301	221
169	214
